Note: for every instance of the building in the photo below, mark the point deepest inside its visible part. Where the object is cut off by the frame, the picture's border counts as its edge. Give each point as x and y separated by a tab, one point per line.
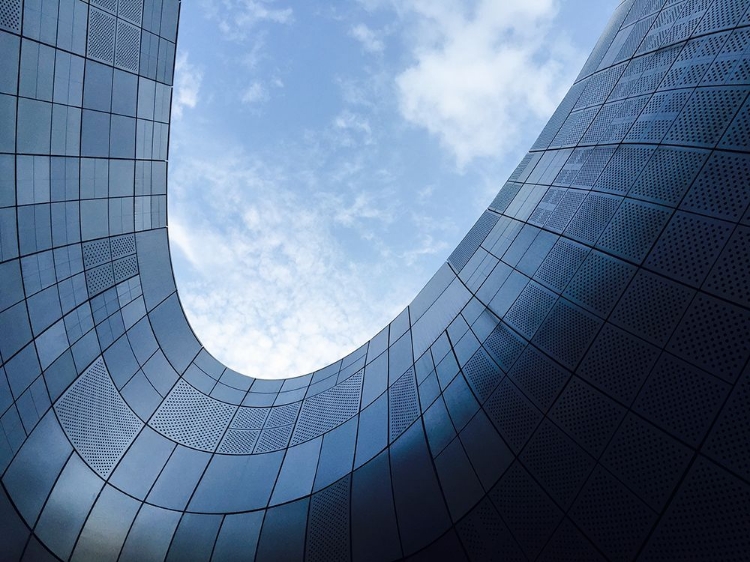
572	384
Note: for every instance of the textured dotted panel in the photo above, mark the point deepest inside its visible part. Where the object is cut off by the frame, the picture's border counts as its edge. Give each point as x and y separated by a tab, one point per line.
599	86
599	282
645	73
239	441
635	38
504	346
614	121
693	62
574	127
328	524
573	165
569	545
668	175
641	9
125	268
723	331
501	202
191	418
732	65
122	245
513	415
530	309
658	115
612	516
708	519
592	167
634	229
483	375
282	415
681	399
485	537
721	188
109	5
328	409
561	264
688	248
722	15
618	363
101	40
706	116
559	116
647	460
565	210
567	333
557	462
587	415
530	513
99	279
274	439
546	206
651	307
592	218
10	15
473	240
624	166
96	253
128	46
730	276
403	403
97	420
131	10
728	440
250	418
539	377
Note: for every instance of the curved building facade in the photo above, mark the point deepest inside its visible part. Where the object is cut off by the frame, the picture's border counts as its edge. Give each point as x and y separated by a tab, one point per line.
573	384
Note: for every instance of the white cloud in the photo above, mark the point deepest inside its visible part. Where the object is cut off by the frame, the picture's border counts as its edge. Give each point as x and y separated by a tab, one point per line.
255	93
187	85
367	37
483	71
236	18
287	298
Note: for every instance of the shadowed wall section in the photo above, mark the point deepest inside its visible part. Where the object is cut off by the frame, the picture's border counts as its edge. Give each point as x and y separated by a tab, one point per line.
572	384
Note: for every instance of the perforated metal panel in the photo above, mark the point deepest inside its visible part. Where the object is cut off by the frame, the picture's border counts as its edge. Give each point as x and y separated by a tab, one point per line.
328	531
191	418
97	420
329	409
101	39
472	240
10	15
128	46
402	403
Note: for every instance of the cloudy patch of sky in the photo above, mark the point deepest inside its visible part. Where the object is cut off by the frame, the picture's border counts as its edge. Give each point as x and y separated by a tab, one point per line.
326	158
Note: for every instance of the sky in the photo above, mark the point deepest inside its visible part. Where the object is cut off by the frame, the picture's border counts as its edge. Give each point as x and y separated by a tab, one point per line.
325	158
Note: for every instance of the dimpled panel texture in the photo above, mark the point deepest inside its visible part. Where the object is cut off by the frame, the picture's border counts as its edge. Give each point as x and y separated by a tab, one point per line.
97	420
583	393
191	418
329	409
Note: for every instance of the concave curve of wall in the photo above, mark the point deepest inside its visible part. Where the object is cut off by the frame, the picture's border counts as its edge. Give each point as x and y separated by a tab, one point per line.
572	384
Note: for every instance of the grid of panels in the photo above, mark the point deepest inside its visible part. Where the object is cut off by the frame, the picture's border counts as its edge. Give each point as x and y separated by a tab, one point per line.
605	412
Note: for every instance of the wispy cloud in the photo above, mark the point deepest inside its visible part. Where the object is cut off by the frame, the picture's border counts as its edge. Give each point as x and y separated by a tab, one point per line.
255	93
273	270
187	85
482	71
367	38
237	18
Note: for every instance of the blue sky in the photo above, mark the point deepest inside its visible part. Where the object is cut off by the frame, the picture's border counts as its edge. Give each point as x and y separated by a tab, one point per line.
325	158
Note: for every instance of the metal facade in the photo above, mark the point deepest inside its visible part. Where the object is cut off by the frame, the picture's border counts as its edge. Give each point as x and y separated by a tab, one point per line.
572	384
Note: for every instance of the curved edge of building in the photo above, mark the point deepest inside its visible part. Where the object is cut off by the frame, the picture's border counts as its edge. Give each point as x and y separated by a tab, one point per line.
572	384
